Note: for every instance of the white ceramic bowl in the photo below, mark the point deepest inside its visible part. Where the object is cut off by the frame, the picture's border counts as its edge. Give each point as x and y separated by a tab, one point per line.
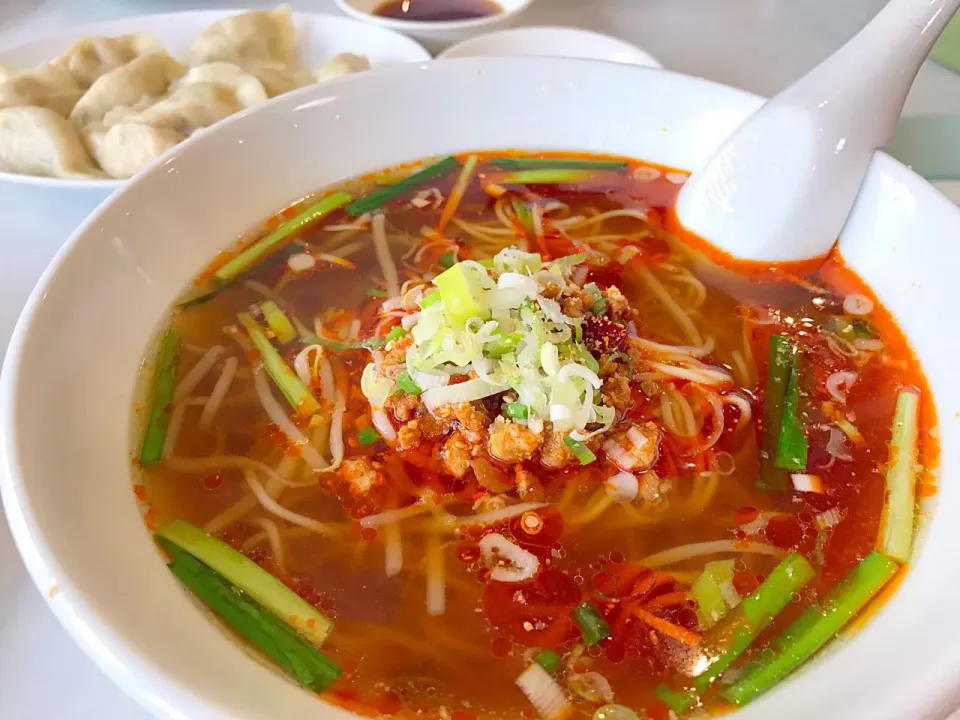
319	37
435	36
68	381
551	42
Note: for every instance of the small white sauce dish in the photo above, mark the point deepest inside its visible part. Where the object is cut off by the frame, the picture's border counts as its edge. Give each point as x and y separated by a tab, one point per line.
552	42
439	34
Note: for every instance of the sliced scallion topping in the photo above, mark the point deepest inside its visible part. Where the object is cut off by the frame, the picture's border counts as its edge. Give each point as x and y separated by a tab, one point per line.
544	176
377	293
278	322
556	163
516	410
368	436
164	383
599	306
580	450
792	443
591	624
448	259
292	387
548	660
676	700
408	384
395	333
253	254
431	298
896	524
385	194
779	368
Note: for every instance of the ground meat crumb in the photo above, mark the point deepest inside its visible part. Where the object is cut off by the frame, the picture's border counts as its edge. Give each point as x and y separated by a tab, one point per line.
402	405
473	419
617	305
396	354
528	487
638	447
555	453
551	291
512	442
455	454
361	473
409	436
616	392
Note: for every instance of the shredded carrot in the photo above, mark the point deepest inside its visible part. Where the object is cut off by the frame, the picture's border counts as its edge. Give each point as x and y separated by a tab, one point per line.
688	637
668	599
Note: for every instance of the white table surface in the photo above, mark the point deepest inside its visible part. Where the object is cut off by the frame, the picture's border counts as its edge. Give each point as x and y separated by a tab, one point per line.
759	45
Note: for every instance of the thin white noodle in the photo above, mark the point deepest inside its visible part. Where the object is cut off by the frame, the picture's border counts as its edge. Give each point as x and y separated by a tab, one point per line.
393	550
624	212
272	506
686	552
676	349
328	389
391	517
173	430
273	535
436	578
218	462
279	417
197	373
383	425
714	401
705	376
379	227
746	411
219	392
495	515
274	487
657	288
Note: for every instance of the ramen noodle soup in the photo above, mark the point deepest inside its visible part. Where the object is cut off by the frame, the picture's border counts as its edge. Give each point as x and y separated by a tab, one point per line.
490	437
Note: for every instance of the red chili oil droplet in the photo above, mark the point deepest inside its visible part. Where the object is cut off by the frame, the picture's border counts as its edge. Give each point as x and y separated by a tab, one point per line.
468	553
784	531
348	502
500	647
212	481
805	517
483	574
615	651
325	603
740	535
745	515
368	534
475	531
389	703
140	492
462	715
605	582
658	710
745	583
617	557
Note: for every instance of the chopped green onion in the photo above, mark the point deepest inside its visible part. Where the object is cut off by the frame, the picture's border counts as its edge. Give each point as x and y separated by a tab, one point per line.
385	194
599	306
487	262
250	578
448	259
614	712
292	387
253	254
792	444
278	322
779	367
578	332
523	214
557	163
712	606
407	384
676	700
516	410
548	660
816	626
377	293
461	292
164	384
543	177
368	436
265	631
580	450
431	298
591	624
896	523
732	636
395	333
499	344
588	359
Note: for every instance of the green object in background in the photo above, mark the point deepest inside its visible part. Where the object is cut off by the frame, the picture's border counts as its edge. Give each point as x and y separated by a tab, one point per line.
929	145
946	50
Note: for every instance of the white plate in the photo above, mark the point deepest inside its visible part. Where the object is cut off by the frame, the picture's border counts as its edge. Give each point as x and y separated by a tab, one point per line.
319	37
552	42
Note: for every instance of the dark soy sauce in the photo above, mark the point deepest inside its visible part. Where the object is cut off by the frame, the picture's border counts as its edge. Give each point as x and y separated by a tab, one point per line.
437	10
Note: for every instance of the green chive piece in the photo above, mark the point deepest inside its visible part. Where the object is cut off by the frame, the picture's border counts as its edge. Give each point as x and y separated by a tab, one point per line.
448	259
599	306
779	367
896	524
792	443
431	298
264	630
580	450
408	384
499	344
395	334
278	322
523	214
816	626
164	384
591	624
559	163
548	660
292	387
676	700
730	638
588	359
387	193
516	410
253	254
377	293
543	177
368	436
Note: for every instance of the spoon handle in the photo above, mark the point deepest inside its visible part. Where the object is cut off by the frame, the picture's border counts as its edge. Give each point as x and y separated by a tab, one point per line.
782	186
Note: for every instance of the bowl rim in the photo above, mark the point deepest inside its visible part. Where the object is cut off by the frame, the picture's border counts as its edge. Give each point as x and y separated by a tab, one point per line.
124	24
95	634
402	25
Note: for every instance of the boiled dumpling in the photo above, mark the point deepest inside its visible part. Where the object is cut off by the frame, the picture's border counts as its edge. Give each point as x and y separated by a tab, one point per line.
261	35
190	108
149	75
343	64
92	57
126	148
247	88
37	141
278	78
48	86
